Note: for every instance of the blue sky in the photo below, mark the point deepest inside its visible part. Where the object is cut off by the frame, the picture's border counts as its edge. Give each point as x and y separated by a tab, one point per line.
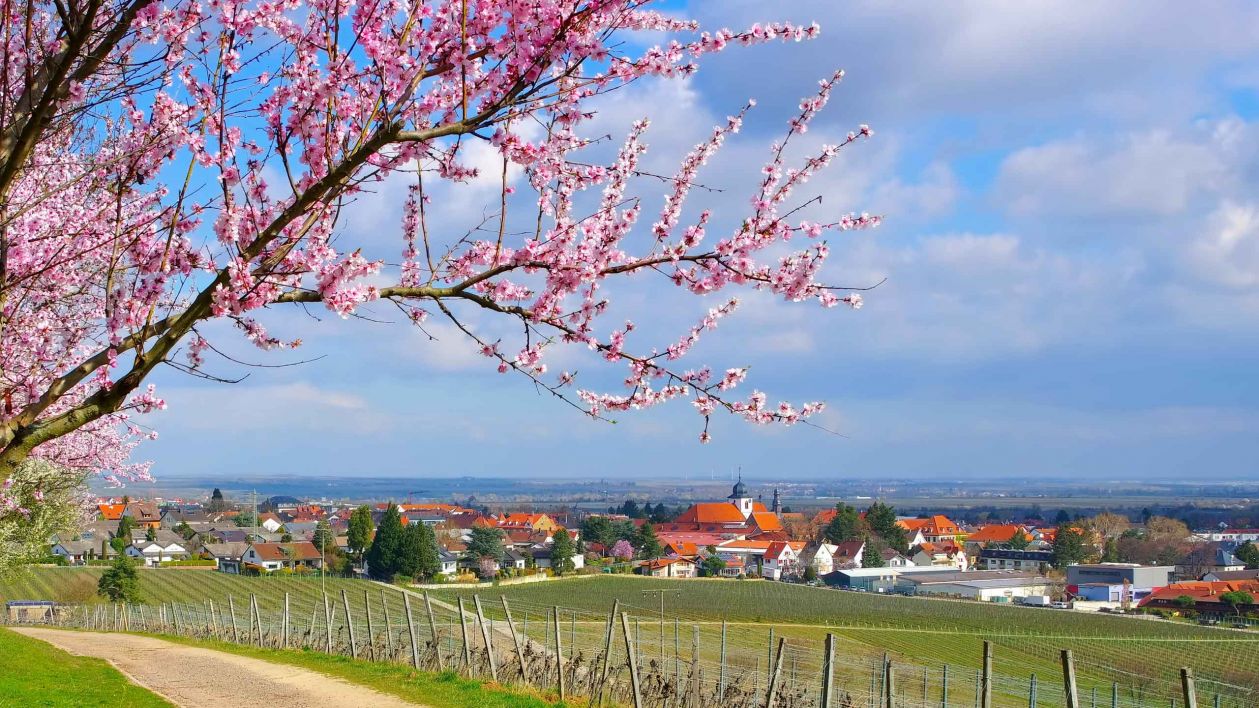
1071	246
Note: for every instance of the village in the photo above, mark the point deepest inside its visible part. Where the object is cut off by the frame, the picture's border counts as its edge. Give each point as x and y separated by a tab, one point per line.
1106	563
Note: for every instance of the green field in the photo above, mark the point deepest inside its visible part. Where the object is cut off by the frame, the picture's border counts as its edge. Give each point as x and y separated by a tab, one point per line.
1139	658
34	673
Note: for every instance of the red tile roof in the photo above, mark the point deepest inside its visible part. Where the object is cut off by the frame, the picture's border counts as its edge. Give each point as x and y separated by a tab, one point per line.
997	533
712	513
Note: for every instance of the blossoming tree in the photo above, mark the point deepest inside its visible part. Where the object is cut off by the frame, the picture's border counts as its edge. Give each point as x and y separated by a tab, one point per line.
168	163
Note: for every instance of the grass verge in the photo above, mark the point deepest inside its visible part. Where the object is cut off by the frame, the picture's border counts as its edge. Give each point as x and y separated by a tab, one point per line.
441	690
35	673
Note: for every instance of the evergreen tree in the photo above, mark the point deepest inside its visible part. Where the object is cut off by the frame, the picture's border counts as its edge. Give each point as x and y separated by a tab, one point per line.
882	520
871	557
359	535
1062	517
126	524
562	551
383	556
409	551
485	542
427	563
1248	553
1070	546
1019	541
846	526
150	534
323	538
646	542
120	582
217	502
598	529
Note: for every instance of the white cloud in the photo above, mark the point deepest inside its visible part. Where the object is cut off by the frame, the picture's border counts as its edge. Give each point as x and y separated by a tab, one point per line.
1226	250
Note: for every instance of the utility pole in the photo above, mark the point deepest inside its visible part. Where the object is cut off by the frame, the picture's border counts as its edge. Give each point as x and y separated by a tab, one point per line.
662	591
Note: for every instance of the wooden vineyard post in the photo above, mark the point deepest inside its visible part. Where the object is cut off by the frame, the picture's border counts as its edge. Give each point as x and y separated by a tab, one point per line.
231	609
257	617
775	674
889	684
1186	684
721	676
432	627
349	624
284	624
986	699
327	620
515	638
384	608
696	688
633	661
371	635
944	687
1068	680
463	630
485	636
214	620
607	651
415	650
559	652
1031	692
828	667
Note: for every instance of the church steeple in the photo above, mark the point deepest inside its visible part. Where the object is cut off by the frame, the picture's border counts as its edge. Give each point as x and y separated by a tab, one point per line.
776	507
740	498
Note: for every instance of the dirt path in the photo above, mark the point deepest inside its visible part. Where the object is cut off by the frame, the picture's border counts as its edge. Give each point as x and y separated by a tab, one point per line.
193	677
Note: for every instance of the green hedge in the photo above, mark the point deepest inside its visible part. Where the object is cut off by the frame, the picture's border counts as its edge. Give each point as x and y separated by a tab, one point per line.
190	562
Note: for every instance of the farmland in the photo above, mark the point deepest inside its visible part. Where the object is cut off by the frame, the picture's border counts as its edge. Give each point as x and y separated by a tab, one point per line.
1138	658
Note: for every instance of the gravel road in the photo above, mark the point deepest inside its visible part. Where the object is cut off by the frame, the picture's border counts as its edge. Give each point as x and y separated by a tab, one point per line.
195	677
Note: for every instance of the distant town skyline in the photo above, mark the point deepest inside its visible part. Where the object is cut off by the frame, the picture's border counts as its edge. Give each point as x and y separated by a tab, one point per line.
1071	247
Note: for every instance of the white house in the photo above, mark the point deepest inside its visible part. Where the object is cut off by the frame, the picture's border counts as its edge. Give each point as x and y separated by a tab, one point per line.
275	556
781	560
165	546
449	561
819	556
941	554
78	552
542	558
669	568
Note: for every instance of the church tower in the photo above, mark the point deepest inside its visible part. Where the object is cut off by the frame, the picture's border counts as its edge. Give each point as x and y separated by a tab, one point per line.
776	507
740	497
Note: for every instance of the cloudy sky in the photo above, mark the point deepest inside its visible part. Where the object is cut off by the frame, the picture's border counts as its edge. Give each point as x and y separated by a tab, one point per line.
1071	248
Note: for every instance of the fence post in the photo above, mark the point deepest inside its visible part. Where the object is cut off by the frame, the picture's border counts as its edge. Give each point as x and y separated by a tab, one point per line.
1186	684
463	630
607	652
432	628
284	624
559	651
1114	694
515	638
415	651
633	661
1031	692
986	700
485	635
231	609
253	601
371	634
775	673
1068	680
384	608
327	620
349	624
889	684
944	687
696	688
721	678
828	666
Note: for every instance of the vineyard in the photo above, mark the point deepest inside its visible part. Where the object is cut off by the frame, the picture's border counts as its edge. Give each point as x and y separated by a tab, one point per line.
728	635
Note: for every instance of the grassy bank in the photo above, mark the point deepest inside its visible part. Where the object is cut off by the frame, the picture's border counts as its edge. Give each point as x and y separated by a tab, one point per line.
35	673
